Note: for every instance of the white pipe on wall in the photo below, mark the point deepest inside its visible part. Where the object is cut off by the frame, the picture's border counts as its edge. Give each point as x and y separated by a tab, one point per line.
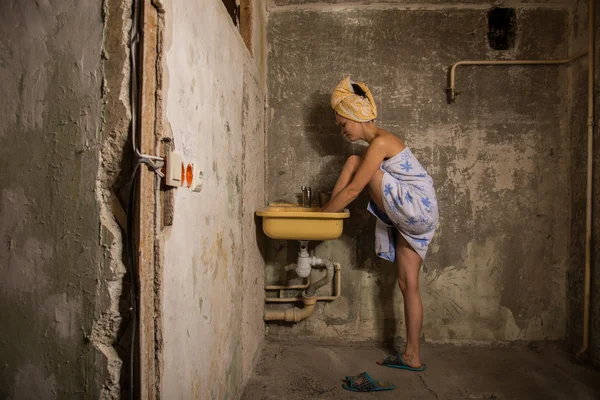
452	92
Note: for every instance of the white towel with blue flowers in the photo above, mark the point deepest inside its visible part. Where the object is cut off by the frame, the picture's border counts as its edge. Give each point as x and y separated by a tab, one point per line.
410	206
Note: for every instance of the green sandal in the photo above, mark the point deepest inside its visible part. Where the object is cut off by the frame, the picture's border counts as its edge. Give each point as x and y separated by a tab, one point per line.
396	362
364	383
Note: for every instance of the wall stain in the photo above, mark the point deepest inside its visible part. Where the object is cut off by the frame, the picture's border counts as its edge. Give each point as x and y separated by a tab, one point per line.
216	257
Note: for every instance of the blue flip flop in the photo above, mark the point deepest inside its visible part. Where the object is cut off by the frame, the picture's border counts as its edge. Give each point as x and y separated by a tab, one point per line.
397	362
364	383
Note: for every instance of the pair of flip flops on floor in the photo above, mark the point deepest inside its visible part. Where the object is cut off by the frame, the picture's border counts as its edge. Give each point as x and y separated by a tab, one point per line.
364	383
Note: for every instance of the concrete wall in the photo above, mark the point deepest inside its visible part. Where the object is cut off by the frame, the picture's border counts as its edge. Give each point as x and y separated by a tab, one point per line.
60	246
595	299
578	114
499	158
213	269
415	3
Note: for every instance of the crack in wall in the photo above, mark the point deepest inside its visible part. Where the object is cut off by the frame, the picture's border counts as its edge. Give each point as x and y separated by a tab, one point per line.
110	334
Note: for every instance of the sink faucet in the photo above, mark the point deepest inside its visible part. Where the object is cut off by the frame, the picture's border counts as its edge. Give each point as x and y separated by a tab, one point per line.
306	197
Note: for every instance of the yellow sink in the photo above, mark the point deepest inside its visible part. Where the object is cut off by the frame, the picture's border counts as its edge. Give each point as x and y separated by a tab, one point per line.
294	222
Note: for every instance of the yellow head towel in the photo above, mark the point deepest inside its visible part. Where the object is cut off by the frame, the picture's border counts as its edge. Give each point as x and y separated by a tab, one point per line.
352	106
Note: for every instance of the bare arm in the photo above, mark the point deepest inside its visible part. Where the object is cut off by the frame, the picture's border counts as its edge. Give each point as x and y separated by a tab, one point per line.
350	168
367	168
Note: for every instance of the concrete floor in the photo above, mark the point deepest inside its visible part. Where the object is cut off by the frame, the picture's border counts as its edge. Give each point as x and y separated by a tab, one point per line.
519	371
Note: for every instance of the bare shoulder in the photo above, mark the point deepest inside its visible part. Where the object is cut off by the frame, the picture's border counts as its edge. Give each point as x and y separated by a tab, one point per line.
389	143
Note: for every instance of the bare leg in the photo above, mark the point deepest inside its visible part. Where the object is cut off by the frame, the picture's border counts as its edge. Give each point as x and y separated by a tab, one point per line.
350	168
409	264
374	189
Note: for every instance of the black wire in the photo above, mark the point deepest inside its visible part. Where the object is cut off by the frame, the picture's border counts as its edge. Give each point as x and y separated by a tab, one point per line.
133	275
131	209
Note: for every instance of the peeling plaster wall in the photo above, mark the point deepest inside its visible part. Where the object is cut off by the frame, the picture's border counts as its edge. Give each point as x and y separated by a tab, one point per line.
60	152
578	114
499	158
213	268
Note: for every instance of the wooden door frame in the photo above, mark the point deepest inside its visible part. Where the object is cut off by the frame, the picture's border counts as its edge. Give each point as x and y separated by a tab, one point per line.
149	301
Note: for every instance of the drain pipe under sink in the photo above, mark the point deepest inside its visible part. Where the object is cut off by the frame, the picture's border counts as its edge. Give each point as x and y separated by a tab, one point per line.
309	297
312	289
293	314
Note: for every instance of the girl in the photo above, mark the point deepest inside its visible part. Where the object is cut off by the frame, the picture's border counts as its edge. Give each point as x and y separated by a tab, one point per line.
402	198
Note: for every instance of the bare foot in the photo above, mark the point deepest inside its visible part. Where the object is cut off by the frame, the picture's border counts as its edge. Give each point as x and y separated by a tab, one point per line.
412	360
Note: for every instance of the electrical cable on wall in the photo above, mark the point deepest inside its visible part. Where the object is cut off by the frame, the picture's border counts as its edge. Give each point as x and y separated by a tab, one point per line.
133	276
131	209
135	100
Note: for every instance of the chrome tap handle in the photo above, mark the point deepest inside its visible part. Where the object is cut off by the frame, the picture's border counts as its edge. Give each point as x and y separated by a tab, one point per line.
306	197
